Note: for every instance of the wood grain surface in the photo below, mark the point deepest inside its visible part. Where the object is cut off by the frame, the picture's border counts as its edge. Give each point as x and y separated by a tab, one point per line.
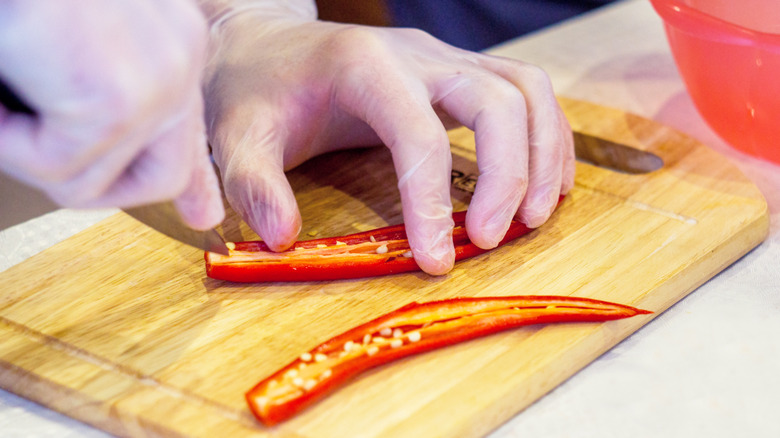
119	327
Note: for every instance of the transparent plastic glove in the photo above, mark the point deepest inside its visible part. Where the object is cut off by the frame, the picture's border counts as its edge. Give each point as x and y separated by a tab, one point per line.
115	85
281	90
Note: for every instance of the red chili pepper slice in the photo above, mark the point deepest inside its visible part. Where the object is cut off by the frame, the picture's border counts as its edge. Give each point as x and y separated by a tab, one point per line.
412	329
371	253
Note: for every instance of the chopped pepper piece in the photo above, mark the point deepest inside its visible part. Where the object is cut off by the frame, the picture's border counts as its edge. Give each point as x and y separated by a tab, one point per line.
412	329
371	253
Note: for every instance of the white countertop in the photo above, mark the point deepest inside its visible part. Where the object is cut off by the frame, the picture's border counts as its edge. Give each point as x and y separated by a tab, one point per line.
705	367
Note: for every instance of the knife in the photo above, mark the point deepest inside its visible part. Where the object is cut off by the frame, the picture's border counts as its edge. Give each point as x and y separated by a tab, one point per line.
615	156
21	203
164	218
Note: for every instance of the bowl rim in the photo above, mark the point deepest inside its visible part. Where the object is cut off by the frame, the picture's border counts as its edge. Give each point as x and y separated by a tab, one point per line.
683	17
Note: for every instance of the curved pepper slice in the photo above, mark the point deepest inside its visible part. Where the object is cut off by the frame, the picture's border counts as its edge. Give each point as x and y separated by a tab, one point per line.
371	253
412	329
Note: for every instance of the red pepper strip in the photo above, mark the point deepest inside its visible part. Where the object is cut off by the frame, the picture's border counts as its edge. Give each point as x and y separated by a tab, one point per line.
412	329
371	253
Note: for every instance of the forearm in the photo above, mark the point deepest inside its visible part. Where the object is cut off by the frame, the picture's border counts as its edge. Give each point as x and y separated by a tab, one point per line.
218	11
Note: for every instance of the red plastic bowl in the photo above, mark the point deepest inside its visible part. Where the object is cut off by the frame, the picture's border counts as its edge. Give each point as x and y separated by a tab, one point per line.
728	53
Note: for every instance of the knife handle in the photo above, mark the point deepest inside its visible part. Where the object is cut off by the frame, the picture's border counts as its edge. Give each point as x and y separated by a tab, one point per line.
12	102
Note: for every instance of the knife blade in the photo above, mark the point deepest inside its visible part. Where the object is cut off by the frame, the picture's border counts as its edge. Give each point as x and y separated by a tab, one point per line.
598	151
21	203
164	218
614	156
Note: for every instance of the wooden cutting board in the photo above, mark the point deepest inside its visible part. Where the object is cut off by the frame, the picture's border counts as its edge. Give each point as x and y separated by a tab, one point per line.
119	327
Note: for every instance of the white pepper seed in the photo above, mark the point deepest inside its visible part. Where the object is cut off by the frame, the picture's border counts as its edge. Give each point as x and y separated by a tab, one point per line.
261	401
309	384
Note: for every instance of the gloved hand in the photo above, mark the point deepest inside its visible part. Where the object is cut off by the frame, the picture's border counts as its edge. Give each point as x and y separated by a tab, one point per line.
115	85
281	87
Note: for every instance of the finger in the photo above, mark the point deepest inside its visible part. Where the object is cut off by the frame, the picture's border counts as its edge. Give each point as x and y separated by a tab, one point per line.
570	159
496	111
137	171
114	96
86	114
26	146
249	155
200	205
133	172
17	134
402	117
550	144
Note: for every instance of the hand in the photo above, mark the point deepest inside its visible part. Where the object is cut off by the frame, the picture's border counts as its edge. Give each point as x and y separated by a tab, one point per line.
280	91
115	87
